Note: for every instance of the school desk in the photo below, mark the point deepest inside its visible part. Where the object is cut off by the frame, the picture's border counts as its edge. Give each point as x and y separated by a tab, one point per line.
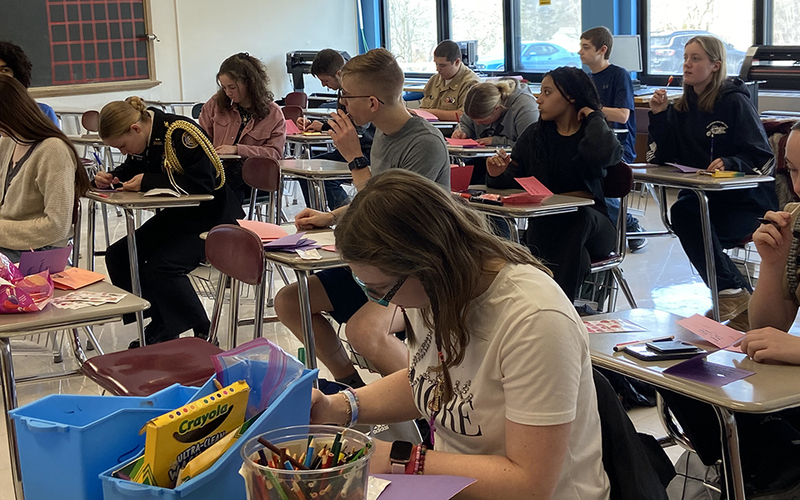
316	172
459	153
669	177
303	269
773	387
304	143
230	157
169	106
73	116
93	141
318	113
130	203
556	204
50	319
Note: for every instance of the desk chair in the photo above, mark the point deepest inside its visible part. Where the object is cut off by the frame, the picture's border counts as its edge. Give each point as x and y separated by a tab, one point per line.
196	109
293	112
617	184
238	254
296	99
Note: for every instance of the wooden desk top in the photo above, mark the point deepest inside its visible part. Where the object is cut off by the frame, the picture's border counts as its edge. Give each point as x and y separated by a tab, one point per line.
316	169
52	318
558	203
133	200
670	176
292	260
772	388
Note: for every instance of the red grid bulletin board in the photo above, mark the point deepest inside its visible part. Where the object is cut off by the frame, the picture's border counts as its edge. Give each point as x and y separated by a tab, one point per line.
97	41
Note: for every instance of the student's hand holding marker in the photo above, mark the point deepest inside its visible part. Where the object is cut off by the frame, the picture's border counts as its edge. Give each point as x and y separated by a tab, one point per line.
773	239
772	345
659	101
458	134
344	135
309	218
716	165
498	163
103	180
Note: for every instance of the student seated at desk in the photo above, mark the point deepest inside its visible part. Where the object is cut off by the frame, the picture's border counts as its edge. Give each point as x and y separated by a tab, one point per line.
498	358
567	150
446	91
41	173
242	118
495	114
615	88
372	86
169	244
15	63
327	66
714	126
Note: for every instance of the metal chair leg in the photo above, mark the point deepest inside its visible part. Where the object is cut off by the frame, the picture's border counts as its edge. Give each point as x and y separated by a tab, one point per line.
233	320
623	285
215	315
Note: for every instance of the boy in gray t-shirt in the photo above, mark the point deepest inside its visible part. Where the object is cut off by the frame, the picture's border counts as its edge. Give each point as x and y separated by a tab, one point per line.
372	86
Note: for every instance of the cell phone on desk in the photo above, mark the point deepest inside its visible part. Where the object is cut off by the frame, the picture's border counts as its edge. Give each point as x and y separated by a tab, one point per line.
671	346
647	353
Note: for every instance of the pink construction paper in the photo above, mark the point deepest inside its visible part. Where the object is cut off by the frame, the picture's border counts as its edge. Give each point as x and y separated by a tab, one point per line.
265	230
291	128
720	335
684	168
533	186
460	177
427	115
408	486
463	143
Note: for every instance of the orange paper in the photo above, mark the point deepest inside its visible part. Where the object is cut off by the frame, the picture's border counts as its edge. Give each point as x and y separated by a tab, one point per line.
74	278
264	230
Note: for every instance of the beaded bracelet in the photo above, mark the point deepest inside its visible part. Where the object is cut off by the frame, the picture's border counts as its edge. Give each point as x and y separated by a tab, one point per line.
421	465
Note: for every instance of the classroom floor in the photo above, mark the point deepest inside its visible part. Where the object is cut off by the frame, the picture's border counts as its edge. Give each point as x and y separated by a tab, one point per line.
660	277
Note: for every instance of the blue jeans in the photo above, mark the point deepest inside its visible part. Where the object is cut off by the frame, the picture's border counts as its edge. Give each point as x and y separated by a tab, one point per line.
612	205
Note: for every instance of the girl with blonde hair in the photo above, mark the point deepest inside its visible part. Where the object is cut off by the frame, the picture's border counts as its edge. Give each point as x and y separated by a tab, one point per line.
165	151
714	126
498	362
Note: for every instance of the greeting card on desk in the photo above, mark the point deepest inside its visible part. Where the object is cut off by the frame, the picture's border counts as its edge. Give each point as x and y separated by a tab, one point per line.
699	369
54	260
426	115
264	230
291	128
291	243
463	143
720	335
74	278
404	486
684	169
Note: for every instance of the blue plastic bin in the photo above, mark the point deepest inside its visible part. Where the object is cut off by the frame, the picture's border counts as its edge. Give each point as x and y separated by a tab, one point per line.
222	480
65	441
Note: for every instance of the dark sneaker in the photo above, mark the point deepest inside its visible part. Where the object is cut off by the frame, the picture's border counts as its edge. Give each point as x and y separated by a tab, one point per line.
636	243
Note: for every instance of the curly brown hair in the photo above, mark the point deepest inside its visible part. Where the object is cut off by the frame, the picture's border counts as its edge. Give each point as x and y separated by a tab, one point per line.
248	70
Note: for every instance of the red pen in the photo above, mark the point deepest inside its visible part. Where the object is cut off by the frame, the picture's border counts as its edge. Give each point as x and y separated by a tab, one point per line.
101	195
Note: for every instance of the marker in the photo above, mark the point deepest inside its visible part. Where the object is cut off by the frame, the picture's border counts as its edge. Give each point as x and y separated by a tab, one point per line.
477	199
101	195
669	80
623	345
762	220
712	149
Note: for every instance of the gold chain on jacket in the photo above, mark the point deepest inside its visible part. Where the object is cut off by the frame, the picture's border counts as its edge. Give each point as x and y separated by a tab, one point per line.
171	162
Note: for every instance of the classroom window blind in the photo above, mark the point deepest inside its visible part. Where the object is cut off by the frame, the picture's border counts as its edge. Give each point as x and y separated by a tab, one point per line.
672	23
480	20
412	34
549	35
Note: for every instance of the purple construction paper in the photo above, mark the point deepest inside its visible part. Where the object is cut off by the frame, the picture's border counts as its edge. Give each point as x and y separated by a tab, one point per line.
408	486
684	168
54	260
699	369
291	240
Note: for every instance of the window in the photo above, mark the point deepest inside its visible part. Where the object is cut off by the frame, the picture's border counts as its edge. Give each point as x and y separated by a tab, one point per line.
480	20
672	23
550	35
785	20
412	34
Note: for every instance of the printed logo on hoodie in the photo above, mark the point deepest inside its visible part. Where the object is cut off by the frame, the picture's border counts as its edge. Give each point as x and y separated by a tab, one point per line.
716	128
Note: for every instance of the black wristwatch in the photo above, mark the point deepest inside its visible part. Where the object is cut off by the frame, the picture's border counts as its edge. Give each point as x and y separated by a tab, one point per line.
400	456
358	163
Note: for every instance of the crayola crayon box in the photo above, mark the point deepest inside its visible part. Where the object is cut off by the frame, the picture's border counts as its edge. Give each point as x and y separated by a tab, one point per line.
174	438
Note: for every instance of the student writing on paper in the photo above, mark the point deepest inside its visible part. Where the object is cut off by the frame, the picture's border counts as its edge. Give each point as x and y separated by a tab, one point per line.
568	151
372	86
495	114
498	358
615	88
169	244
714	126
770	443
446	91
41	176
242	118
15	63
327	66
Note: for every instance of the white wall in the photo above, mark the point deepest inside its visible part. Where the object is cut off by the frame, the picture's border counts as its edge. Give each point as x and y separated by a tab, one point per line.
197	35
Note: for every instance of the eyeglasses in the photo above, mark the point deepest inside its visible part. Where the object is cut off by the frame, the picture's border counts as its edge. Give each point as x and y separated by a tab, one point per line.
372	295
344	96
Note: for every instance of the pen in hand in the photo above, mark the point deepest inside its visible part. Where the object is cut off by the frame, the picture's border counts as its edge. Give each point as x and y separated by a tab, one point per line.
765	221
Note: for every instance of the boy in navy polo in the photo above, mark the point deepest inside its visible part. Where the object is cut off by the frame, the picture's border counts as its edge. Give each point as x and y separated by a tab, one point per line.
616	93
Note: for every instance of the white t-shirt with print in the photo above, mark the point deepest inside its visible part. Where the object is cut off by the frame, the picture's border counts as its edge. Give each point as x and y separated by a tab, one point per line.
527	361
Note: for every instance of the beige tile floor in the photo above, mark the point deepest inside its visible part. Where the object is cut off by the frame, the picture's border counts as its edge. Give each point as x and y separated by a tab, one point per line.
660	276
